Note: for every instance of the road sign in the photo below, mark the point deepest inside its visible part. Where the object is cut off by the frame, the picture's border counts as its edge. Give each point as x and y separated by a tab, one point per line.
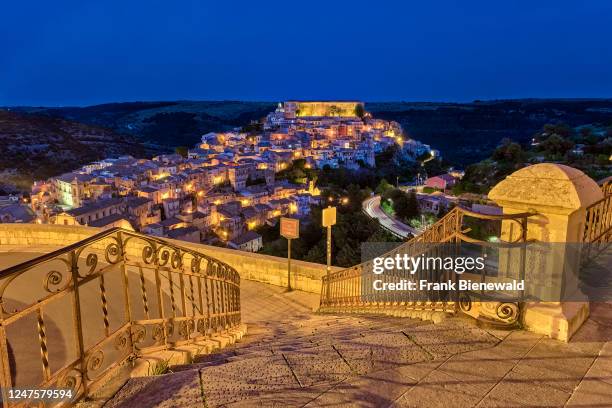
329	216
329	219
290	228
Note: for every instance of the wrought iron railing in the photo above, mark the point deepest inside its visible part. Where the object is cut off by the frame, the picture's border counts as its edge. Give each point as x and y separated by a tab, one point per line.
71	317
352	290
597	234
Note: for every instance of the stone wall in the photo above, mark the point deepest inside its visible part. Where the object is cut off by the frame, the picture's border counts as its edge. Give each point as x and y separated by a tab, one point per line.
306	276
29	236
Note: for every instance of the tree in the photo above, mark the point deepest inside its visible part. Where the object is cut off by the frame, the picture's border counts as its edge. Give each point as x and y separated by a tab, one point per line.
383	187
317	253
182	150
406	205
556	145
560	129
359	111
348	255
509	152
413	205
252	128
585	132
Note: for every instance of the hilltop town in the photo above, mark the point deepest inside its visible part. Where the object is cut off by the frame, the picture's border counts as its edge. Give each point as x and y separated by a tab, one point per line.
225	187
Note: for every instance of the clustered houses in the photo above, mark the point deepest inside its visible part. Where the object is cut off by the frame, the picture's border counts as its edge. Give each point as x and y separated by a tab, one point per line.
226	186
334	133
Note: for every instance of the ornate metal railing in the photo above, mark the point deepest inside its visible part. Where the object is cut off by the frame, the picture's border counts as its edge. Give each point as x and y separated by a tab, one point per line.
69	318
352	290
598	223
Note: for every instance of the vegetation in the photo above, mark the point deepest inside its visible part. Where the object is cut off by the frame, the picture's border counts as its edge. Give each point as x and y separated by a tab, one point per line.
584	149
405	205
382	187
182	150
159	368
467	133
390	165
353	228
37	147
424	221
359	110
252	128
297	172
387	207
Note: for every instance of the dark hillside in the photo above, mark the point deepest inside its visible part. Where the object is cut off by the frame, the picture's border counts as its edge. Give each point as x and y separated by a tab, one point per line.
35	147
466	133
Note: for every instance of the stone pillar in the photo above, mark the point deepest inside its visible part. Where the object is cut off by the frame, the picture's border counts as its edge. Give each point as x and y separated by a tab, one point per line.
559	195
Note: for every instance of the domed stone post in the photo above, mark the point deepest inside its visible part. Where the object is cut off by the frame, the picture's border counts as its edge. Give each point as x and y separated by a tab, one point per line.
559	196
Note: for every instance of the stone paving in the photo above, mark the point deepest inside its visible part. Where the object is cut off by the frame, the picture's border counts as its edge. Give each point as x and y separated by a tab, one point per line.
292	357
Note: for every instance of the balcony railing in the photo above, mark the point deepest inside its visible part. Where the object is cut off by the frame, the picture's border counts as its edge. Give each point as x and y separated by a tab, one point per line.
70	318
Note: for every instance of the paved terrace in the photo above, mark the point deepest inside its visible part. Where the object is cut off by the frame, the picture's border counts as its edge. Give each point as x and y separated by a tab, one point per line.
292	357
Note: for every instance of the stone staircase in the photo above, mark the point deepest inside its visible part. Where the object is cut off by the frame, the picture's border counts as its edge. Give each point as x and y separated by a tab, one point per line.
293	360
292	357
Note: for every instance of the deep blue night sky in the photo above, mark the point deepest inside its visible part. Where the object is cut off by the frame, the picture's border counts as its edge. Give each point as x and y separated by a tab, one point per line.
86	52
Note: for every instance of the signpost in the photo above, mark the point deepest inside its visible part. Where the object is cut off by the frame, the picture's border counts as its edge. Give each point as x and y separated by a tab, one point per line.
290	229
329	219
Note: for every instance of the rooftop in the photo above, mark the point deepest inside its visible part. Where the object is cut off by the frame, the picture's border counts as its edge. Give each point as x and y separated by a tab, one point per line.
179	232
108	220
246	237
98	205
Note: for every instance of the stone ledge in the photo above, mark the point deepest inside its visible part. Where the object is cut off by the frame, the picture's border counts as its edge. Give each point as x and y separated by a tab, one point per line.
435	316
185	354
269	269
140	367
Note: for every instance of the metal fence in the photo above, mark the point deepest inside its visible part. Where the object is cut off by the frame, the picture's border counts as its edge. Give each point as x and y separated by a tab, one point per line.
352	290
70	318
598	224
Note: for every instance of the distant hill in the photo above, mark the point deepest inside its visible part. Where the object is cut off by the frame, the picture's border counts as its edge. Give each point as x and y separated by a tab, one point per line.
469	132
36	147
168	124
464	132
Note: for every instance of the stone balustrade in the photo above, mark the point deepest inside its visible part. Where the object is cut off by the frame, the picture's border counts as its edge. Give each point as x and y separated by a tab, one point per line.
305	276
559	196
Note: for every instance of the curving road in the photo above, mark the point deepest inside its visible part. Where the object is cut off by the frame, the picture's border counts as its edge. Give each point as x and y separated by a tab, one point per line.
372	208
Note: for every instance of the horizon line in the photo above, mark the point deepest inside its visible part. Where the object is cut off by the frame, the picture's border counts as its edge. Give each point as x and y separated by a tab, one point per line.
450	102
